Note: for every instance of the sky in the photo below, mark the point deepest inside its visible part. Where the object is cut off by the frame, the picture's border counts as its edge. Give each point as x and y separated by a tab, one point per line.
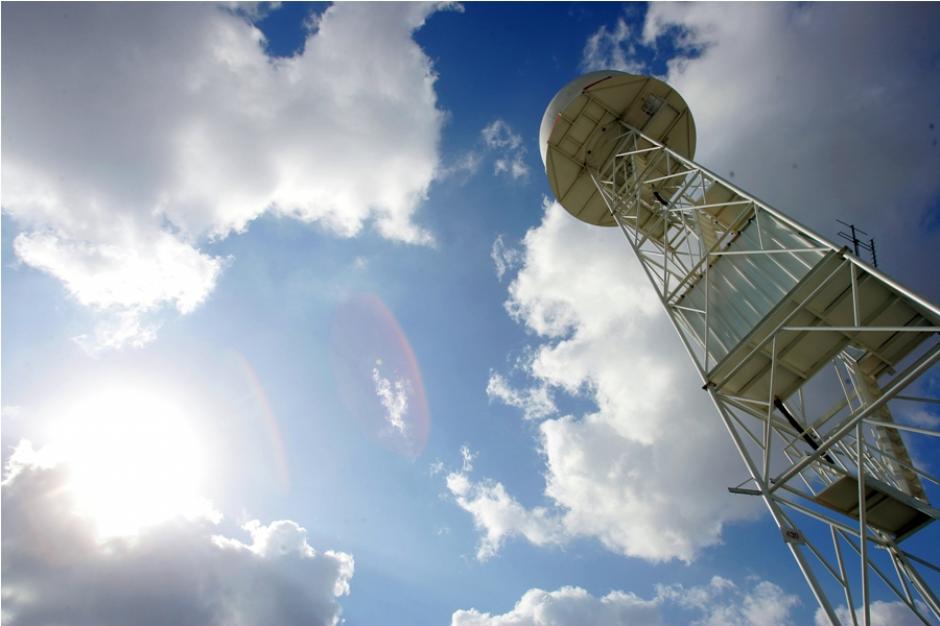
293	331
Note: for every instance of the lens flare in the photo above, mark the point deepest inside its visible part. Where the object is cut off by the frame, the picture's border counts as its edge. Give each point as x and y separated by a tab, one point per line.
268	418
378	376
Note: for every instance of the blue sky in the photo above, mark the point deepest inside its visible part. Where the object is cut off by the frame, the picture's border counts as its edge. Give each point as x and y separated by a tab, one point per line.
292	227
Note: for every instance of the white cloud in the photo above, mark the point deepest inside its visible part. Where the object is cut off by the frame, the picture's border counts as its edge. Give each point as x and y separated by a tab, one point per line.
719	603
500	143
499	516
504	257
806	112
140	273
922	418
56	570
882	614
723	604
822	110
507	144
613	48
117	329
499	134
394	398
132	133
467	457
463	168
646	473
568	606
535	402
514	166
11	411
811	120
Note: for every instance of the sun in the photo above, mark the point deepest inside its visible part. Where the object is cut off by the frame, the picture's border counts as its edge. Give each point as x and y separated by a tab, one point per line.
134	459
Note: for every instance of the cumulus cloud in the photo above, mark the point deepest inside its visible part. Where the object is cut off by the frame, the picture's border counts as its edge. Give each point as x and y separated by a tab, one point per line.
806	115
568	606
142	274
612	48
722	603
499	138
504	257
499	516
512	166
462	168
500	144
718	603
882	614
56	570
394	398
923	419
498	134
814	122
535	402
806	112
467	456
133	134
646	473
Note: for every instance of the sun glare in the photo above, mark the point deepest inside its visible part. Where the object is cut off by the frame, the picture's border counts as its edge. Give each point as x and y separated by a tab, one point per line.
134	460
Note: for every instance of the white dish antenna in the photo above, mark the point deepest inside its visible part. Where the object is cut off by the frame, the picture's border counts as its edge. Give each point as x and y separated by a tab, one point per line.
584	121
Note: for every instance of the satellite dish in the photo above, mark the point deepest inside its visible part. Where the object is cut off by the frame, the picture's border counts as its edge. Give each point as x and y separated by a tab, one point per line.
583	121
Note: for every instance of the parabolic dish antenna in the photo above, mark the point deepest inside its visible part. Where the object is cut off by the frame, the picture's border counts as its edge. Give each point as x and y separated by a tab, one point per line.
583	121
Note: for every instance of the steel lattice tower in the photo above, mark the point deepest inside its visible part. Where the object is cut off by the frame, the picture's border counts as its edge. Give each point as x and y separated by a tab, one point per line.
803	348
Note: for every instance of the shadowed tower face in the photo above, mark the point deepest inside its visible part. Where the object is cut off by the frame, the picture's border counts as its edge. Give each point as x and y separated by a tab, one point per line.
803	348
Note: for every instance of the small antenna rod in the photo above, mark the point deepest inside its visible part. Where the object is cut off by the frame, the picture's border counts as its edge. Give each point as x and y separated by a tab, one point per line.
858	244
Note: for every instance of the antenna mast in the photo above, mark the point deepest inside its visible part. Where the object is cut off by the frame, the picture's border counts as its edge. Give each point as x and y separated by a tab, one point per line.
804	350
858	244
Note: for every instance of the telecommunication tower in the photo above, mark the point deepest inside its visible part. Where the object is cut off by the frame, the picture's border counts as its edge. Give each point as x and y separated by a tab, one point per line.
804	349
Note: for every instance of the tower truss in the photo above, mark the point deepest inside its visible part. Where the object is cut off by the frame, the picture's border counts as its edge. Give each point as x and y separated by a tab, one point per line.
805	351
